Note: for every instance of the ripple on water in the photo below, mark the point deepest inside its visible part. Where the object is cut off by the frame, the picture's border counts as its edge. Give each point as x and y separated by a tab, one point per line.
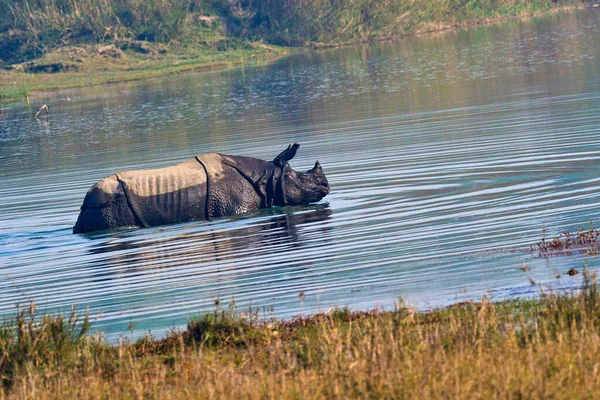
446	157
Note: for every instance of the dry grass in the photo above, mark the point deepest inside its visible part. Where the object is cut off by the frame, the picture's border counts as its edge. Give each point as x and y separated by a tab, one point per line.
582	241
546	348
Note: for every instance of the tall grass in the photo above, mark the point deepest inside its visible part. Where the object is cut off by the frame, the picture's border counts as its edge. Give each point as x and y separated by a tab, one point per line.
28	344
97	20
29	28
34	26
545	348
335	21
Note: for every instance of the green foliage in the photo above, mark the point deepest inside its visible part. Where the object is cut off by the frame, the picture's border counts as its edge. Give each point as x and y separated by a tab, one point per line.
28	342
217	329
31	28
295	22
14	92
35	26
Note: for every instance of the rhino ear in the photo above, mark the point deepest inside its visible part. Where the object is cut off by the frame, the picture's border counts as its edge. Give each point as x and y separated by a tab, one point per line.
286	155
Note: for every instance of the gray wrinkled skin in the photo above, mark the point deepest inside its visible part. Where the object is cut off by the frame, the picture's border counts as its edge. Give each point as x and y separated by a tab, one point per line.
207	186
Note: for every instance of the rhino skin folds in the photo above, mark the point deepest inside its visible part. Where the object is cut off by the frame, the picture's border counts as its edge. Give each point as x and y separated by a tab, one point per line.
207	186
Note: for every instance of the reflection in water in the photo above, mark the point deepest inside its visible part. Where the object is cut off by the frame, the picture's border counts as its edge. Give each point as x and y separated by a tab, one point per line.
444	156
277	233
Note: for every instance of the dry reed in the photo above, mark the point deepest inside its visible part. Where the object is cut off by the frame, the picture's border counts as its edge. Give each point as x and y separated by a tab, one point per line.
544	348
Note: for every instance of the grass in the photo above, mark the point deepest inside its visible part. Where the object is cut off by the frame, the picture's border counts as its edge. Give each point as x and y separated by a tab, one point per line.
327	22
89	42
544	348
12	89
585	241
34	26
31	28
94	69
150	39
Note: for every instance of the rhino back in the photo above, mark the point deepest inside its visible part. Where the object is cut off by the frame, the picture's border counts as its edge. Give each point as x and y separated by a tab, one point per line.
167	195
230	192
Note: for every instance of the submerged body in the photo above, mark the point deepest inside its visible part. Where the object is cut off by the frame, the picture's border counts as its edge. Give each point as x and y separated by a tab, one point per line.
207	186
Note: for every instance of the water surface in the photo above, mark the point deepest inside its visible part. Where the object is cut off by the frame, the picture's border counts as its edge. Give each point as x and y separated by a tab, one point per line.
446	157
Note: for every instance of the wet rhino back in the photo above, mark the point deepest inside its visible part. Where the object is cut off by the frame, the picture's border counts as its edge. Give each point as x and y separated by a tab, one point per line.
207	186
231	191
166	195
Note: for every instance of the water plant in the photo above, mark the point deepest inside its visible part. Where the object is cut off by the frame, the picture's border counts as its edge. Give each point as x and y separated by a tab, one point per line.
583	240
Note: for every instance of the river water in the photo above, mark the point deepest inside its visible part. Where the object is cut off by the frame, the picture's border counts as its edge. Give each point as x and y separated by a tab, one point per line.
446	157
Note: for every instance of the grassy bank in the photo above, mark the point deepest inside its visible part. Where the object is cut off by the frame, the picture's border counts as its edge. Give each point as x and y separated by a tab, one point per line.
326	23
48	44
545	348
85	66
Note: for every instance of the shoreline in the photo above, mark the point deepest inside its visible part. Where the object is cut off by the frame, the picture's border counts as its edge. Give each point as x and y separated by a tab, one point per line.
442	28
130	67
520	348
16	86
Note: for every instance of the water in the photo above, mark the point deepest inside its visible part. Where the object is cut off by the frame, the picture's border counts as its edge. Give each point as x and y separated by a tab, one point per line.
446	157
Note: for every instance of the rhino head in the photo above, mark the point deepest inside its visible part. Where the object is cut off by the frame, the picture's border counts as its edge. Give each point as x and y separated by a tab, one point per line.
298	188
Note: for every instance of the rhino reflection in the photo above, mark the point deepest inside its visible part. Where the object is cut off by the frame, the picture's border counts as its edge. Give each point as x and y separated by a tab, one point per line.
204	248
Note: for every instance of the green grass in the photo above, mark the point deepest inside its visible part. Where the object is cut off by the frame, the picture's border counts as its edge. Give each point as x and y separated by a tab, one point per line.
544	348
94	69
14	90
34	27
153	38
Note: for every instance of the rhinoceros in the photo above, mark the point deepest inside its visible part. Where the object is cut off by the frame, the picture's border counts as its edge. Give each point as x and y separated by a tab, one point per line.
206	186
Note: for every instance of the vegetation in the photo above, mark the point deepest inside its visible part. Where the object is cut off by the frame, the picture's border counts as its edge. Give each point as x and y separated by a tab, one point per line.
66	43
585	241
86	67
515	349
32	27
100	41
328	22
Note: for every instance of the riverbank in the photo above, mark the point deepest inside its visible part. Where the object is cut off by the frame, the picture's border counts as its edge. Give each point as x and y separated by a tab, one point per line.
541	348
93	65
210	43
